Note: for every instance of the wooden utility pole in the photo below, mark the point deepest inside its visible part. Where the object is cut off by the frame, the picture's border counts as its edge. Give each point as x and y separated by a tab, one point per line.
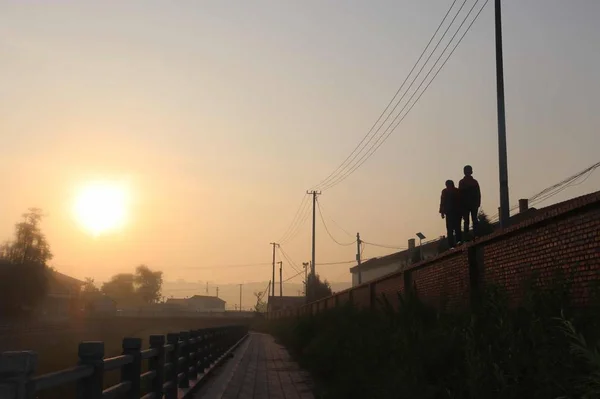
280	278
358	261
274	244
240	297
314	201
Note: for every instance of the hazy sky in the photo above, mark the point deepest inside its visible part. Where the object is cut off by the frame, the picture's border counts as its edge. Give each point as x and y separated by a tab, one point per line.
221	114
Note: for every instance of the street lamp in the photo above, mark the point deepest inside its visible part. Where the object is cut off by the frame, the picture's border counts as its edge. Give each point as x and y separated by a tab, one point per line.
421	237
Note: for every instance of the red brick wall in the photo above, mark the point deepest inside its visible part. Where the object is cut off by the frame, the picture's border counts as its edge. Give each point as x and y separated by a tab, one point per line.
443	280
565	237
389	286
569	242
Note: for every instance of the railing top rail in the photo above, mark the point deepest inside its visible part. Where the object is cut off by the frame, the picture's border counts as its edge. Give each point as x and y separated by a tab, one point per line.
113	363
61	377
167	372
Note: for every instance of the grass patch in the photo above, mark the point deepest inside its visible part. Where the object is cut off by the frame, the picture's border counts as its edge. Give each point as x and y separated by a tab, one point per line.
544	348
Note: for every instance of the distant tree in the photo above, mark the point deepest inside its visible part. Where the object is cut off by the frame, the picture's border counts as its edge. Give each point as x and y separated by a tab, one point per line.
30	245
89	293
148	284
22	287
485	226
24	274
317	289
261	306
121	289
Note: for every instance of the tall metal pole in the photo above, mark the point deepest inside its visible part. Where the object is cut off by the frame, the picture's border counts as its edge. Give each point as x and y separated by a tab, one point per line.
273	277
240	297
502	157
280	278
358	261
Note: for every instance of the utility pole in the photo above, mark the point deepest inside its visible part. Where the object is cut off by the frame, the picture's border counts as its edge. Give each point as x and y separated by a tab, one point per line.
280	278
502	157
305	264
240	297
358	243
314	201
274	244
207	288
217	292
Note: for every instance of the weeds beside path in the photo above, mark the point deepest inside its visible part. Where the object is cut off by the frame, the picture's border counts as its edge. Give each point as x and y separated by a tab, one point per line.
538	350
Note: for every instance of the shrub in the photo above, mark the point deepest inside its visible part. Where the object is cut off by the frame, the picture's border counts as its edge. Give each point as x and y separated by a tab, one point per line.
535	350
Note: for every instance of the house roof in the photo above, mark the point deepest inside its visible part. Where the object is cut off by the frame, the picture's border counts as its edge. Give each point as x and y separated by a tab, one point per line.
207	298
61	284
395	257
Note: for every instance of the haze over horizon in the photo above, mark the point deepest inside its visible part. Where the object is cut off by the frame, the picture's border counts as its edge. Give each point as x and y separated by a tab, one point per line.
216	119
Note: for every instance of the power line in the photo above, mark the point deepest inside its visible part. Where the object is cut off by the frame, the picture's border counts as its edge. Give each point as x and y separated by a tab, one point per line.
383	245
305	212
557	188
385	135
327	229
295	219
345	163
290	261
294	276
225	266
338	225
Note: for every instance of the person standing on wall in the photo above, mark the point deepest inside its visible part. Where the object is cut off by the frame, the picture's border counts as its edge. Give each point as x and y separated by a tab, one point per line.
470	200
450	210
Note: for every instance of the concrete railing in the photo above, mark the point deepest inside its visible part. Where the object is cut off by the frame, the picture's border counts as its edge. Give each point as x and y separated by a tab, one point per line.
177	365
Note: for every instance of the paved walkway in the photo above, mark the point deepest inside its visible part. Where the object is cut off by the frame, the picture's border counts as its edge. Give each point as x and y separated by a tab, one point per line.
259	369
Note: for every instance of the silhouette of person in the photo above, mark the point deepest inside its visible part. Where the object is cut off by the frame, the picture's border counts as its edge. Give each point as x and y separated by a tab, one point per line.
450	209
470	200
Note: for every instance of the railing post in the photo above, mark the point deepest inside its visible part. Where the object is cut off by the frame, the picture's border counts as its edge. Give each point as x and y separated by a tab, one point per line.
16	370
157	364
193	364
91	354
185	353
201	351
132	371
173	339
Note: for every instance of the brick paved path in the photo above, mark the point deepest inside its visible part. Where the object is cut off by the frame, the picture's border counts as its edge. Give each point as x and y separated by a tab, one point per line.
260	369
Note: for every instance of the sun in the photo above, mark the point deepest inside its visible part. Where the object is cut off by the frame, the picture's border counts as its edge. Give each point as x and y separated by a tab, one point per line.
101	207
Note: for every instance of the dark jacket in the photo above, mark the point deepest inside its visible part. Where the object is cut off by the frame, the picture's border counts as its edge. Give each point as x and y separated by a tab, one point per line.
450	201
470	194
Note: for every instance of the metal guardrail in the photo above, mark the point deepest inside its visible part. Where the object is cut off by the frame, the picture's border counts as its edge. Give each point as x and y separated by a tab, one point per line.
177	366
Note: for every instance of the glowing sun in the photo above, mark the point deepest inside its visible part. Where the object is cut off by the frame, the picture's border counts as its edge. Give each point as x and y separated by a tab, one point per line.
101	207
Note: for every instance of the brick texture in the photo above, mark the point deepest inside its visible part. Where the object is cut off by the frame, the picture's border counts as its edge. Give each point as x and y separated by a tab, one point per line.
443	281
563	238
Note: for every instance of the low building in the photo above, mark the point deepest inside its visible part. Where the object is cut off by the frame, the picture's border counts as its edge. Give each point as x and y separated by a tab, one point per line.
205	303
284	302
60	301
197	303
378	267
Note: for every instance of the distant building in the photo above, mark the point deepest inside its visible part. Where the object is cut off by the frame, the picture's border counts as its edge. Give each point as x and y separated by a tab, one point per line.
63	292
378	267
197	303
284	302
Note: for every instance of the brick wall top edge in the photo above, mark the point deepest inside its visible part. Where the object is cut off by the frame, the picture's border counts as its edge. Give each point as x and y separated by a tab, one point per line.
553	212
